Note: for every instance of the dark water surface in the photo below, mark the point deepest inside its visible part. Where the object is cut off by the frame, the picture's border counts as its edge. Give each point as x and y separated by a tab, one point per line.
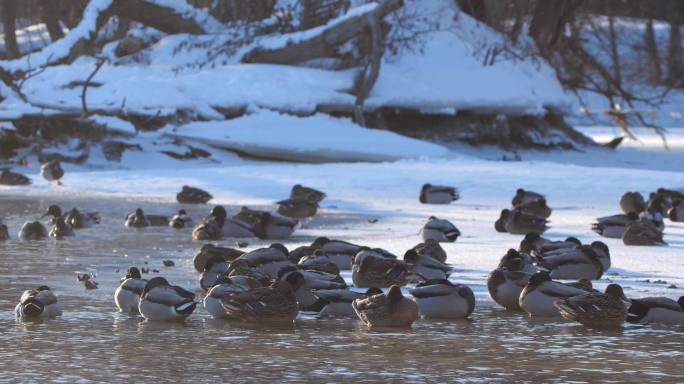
92	342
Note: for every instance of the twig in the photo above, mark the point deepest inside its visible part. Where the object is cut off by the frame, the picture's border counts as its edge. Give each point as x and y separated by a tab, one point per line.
100	62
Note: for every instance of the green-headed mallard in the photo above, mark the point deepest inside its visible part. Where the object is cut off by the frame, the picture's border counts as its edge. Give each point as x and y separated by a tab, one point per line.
661	310
338	302
584	261
431	248
440	230
441	299
540	294
593	309
438	194
210	250
313	279
427	267
387	310
213	268
180	219
505	286
61	229
269	260
533	243
127	294
136	219
223	290
38	304
161	301
613	226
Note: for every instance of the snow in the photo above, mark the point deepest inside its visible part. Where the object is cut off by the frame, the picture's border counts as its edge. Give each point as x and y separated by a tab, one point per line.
112	123
204	19
317	138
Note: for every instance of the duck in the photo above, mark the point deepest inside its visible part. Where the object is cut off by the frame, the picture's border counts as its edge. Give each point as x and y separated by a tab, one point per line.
52	171
338	302
338	251
74	217
655	212
613	226
676	213
632	202
207	251
584	261
298	208
274	227
32	230
193	195
212	227
136	219
372	271
161	301
522	196
440	230
299	191
8	177
4	232
224	288
276	303
240	267
127	294
533	243
213	269
540	294
180	219
521	223
505	286
441	299
659	310
597	310
249	216
38	304
431	248
438	194
426	267
61	229
500	223
319	262
517	261
657	204
391	310
536	207
642	232
313	279
269	260
670	194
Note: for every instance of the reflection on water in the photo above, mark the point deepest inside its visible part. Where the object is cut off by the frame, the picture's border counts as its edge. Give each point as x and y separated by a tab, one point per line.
93	342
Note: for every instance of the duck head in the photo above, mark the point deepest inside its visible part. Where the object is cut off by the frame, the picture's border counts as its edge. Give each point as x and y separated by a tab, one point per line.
539	278
394	295
321	241
280	248
295	280
575	240
410	256
615	290
133	273
512	261
33	307
54	210
377	291
219	213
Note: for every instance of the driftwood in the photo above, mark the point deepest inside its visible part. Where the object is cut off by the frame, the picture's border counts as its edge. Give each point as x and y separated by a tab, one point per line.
366	79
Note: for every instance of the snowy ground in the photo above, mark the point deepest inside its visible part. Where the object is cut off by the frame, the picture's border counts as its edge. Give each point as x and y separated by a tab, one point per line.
579	185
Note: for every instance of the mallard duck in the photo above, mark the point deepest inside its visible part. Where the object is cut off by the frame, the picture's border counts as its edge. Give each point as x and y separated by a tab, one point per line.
655	214
500	223
613	226
4	232
632	202
192	195
210	250
592	309
240	267
180	219
136	219
670	195
431	248
505	286
52	171
313	279
387	310
438	194
161	301
274	227
61	229
8	177
276	303
127	294
441	299
298	208
584	261
213	268
338	302
536	207
642	232
249	216
211	228
337	251
540	294
440	230
379	272
74	217
426	267
38	304
521	223
658	204
372	252
517	261
676	213
299	191
656	310
534	243
268	260
522	196
323	262
224	288
32	230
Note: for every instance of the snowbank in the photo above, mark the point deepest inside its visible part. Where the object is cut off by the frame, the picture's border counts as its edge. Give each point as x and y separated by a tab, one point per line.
318	138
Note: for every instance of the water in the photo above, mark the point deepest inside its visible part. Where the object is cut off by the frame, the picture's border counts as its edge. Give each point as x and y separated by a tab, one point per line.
92	342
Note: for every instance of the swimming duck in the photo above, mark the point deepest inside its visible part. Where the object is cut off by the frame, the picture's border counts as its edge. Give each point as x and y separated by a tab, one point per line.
426	267
274	227
338	302
431	248
213	268
240	267
438	194
540	294
180	219
211	228
440	230
536	207
74	217
276	303
613	226
127	294
676	213
441	299
505	286
379	272
642	232
210	250
136	219
656	310
584	261
387	310
61	229
592	309
534	243
52	171
8	177
4	232
268	260
313	279
522	196
32	231
161	301
299	191
632	202
38	304
517	261
192	195
224	288
298	208
521	223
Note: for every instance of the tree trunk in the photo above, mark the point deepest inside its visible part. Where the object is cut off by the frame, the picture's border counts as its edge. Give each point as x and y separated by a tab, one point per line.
675	66
653	56
50	13
9	14
475	8
549	19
